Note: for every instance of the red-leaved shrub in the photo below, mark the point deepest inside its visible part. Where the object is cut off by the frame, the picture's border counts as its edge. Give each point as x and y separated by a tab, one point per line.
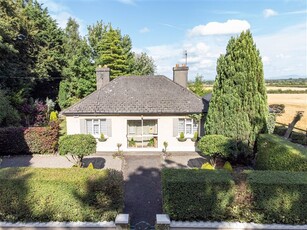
32	140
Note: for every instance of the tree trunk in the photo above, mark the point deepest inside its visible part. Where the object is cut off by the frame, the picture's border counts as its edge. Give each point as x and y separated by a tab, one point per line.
291	126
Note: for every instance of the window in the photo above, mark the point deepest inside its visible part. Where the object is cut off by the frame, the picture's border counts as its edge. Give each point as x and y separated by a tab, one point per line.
96	126
142	133
188	126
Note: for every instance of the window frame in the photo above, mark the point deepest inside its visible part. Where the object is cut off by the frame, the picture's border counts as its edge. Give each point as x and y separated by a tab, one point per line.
187	121
95	122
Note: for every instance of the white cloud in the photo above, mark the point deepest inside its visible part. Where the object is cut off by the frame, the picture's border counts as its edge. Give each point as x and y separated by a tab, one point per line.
286	51
269	13
61	14
144	30
127	2
232	26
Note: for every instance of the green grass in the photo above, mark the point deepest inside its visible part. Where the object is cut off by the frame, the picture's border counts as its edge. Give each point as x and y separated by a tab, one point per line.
34	194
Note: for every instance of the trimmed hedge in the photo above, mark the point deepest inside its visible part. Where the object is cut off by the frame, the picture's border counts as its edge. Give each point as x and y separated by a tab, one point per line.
251	196
276	153
278	196
197	194
34	194
32	140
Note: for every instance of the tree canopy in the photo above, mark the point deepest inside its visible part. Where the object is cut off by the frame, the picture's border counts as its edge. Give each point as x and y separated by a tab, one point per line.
38	59
238	108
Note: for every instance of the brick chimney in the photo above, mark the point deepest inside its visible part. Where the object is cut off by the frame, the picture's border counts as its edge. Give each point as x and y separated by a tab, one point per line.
180	75
102	76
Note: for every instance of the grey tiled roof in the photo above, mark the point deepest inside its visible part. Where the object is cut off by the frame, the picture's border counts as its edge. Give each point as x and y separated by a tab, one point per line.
139	95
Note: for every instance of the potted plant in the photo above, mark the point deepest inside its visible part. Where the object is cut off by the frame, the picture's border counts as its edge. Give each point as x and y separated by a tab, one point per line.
131	143
102	138
165	153
181	137
195	137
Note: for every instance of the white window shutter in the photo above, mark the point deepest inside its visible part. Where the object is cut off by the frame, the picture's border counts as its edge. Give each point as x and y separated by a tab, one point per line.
82	126
109	127
175	127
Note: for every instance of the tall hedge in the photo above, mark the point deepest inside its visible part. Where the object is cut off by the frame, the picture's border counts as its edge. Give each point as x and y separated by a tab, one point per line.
32	140
252	196
278	196
196	194
73	194
276	153
238	108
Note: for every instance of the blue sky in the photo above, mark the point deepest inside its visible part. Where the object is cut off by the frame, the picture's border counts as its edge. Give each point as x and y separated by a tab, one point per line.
164	29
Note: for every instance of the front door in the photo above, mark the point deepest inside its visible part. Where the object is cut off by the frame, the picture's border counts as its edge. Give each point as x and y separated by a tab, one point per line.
142	133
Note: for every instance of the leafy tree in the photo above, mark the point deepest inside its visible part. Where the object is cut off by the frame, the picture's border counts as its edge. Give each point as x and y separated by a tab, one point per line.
110	48
142	64
197	86
31	51
79	76
238	108
78	146
8	114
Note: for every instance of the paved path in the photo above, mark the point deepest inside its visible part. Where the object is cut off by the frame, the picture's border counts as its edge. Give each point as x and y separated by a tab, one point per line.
54	161
143	197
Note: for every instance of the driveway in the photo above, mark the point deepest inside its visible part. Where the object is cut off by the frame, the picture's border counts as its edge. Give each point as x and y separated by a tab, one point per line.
143	196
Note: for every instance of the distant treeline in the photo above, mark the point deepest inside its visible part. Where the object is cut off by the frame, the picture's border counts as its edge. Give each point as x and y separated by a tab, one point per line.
287	91
291	82
298	82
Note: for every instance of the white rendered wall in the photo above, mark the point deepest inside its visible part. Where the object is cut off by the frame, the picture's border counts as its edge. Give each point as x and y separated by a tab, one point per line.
119	133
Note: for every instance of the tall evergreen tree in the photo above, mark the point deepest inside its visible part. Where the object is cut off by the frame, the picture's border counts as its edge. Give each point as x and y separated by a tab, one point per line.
238	108
79	76
110	48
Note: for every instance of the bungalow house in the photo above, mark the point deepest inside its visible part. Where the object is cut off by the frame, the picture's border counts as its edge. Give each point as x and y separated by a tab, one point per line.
140	113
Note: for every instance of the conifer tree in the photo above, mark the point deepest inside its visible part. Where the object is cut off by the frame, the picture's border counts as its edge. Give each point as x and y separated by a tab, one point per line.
238	108
79	75
110	48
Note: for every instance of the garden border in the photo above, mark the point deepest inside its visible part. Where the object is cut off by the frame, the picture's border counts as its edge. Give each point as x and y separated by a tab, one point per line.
164	220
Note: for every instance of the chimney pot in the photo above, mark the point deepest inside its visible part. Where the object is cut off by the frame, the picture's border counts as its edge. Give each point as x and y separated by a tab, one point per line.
102	76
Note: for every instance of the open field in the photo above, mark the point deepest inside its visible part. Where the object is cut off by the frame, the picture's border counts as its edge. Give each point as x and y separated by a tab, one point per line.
293	103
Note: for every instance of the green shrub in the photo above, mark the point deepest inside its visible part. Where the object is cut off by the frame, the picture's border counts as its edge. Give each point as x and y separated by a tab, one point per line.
276	153
34	194
278	197
217	145
181	136
32	140
78	146
299	138
280	130
197	194
227	166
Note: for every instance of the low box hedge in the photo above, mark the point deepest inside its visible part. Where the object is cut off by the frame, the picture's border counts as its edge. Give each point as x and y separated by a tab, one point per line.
251	196
276	153
278	196
34	194
197	194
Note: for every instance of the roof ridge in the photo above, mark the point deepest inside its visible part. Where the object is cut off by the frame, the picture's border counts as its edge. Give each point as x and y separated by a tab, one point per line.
186	89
